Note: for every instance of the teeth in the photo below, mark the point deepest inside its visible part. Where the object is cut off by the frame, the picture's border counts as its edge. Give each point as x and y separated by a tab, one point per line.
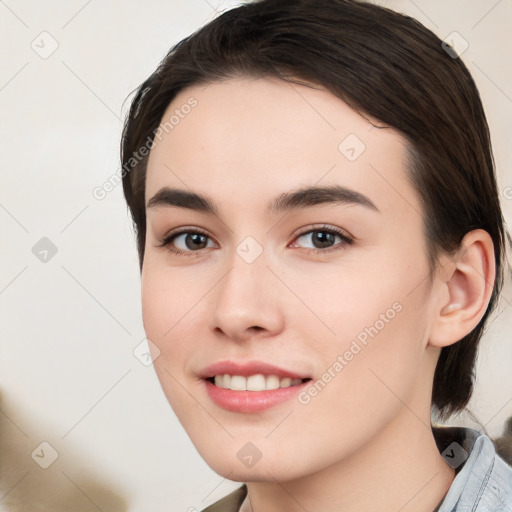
285	383
272	382
238	383
258	382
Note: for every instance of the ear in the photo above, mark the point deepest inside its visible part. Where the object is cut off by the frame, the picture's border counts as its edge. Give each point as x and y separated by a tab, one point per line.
465	283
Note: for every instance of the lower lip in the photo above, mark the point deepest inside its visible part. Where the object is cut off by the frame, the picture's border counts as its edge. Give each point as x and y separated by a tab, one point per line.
251	401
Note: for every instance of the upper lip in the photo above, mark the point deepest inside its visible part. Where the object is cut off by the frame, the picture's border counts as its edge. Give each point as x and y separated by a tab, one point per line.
248	368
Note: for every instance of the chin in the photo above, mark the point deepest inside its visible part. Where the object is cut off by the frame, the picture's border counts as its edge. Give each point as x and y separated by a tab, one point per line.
235	464
255	474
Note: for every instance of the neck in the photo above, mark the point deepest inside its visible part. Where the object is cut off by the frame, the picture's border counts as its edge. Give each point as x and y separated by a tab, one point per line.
399	469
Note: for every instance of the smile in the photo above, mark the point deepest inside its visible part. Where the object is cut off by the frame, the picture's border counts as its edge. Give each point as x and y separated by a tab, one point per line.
258	382
251	386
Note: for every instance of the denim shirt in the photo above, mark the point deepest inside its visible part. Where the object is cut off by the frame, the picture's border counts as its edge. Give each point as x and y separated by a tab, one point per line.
483	481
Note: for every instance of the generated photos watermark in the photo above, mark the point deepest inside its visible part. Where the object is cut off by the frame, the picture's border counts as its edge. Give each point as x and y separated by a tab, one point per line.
356	346
101	192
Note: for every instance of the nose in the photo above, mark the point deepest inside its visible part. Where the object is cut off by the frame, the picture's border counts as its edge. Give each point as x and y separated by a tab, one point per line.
247	301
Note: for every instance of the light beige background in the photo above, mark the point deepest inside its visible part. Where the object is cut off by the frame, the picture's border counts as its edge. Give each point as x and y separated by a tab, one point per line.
69	326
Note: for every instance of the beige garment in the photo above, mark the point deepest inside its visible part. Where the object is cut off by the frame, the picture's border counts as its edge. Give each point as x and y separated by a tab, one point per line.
232	502
238	501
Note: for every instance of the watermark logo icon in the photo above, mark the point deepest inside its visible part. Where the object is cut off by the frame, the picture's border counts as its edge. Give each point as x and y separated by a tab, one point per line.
146	352
249	249
44	45
454	455
44	250
249	454
454	45
351	147
44	455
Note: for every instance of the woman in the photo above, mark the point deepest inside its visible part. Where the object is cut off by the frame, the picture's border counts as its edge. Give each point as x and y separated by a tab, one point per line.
321	244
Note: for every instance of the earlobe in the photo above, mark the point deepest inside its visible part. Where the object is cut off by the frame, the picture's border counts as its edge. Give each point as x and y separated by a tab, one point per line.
467	289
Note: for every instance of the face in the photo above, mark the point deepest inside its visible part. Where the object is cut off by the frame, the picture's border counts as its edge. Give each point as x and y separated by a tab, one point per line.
290	301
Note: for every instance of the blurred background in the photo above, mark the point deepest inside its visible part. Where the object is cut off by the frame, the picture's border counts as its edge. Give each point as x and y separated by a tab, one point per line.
84	425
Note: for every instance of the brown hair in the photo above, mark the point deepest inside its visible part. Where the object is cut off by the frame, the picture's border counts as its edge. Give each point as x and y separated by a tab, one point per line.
381	63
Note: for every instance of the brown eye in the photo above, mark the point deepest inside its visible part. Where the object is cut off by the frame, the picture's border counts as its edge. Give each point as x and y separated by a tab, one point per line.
322	239
186	242
195	241
318	239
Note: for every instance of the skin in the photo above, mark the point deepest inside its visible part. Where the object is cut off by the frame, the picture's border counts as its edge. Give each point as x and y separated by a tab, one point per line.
366	437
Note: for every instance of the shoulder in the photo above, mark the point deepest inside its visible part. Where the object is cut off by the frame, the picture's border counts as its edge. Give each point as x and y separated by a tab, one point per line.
230	503
484	482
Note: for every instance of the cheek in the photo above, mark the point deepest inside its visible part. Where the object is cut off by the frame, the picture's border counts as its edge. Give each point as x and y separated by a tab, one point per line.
371	368
168	296
167	312
379	322
363	301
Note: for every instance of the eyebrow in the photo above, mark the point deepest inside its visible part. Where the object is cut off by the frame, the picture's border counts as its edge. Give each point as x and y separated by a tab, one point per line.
292	200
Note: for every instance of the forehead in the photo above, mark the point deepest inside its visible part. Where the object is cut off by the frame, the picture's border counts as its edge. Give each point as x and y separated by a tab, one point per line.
245	139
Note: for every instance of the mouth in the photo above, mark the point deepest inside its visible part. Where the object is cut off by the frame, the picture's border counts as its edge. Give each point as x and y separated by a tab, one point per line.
257	382
251	387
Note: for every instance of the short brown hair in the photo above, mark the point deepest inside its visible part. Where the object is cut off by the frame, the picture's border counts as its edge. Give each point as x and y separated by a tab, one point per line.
381	63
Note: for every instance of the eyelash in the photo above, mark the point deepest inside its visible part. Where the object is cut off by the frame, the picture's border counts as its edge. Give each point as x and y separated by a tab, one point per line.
345	240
